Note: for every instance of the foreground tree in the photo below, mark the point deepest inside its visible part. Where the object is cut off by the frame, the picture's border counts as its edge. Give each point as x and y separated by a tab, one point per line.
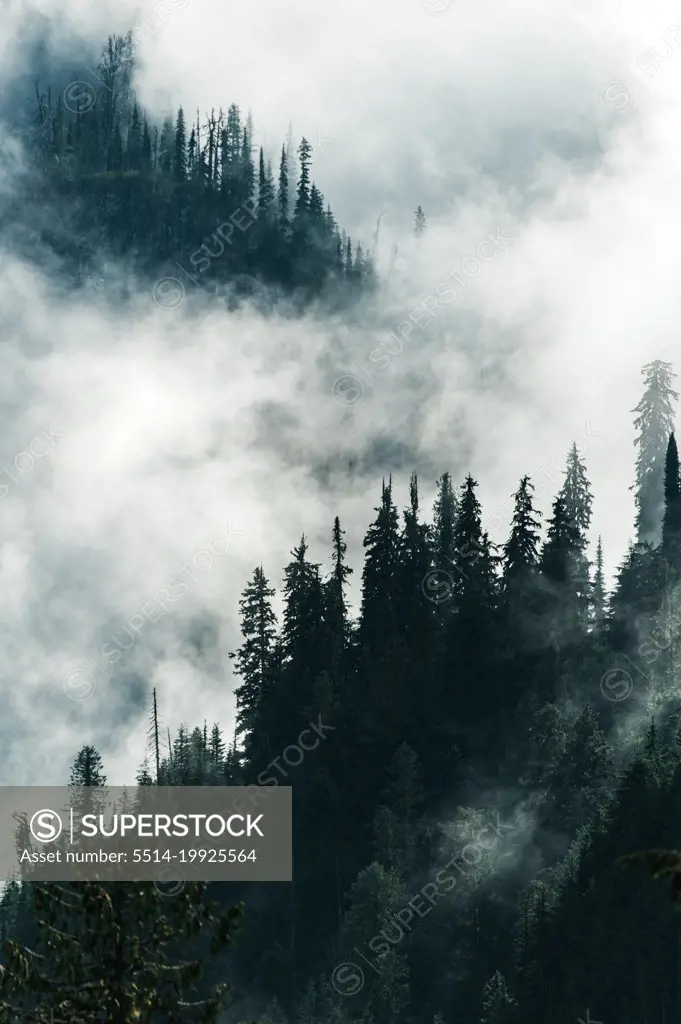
103	956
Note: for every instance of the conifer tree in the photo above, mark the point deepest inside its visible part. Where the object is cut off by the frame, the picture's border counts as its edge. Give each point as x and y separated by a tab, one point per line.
378	621
265	190
654	423
283	194
496	1000
396	823
253	659
167	146
419	222
583	780
414	609
180	151
599	598
563	543
474	561
445	510
470	670
375	899
520	553
135	146
336	601
103	955
303	193
576	495
671	525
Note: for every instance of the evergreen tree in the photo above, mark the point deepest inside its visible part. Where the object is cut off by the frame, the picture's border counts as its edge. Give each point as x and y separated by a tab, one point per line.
397	829
415	619
103	955
253	659
520	552
671	524
599	599
135	146
419	222
283	194
303	193
167	146
445	511
378	620
375	899
496	1000
576	495
180	151
654	423
563	543
583	780
336	602
265	190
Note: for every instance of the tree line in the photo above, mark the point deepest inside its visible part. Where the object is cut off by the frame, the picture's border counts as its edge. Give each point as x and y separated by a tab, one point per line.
479	689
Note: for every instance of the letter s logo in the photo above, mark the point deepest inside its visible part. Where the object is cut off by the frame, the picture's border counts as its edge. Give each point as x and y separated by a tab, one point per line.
45	826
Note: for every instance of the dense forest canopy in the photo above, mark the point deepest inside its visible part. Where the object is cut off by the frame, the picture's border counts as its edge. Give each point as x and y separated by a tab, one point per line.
495	727
190	196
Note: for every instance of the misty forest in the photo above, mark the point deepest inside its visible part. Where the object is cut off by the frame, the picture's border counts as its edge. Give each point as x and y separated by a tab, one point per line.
498	723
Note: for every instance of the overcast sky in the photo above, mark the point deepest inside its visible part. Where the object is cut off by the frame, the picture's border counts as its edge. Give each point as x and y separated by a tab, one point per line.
551	128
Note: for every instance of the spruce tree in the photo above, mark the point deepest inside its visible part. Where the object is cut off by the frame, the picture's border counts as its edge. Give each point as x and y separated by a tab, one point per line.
419	222
576	495
496	1000
414	609
102	955
335	587
180	151
599	597
378	620
562	545
671	524
445	510
397	829
520	553
303	193
583	780
134	149
265	190
654	423
167	146
283	193
253	659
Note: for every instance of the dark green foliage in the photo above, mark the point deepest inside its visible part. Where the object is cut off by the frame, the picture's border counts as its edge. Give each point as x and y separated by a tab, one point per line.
671	524
187	194
654	423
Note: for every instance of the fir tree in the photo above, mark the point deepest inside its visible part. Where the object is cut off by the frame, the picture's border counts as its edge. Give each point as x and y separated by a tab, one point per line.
336	602
576	495
283	196
303	193
180	151
654	423
252	661
419	222
378	619
599	597
671	524
103	955
563	543
265	190
496	1000
520	553
445	511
